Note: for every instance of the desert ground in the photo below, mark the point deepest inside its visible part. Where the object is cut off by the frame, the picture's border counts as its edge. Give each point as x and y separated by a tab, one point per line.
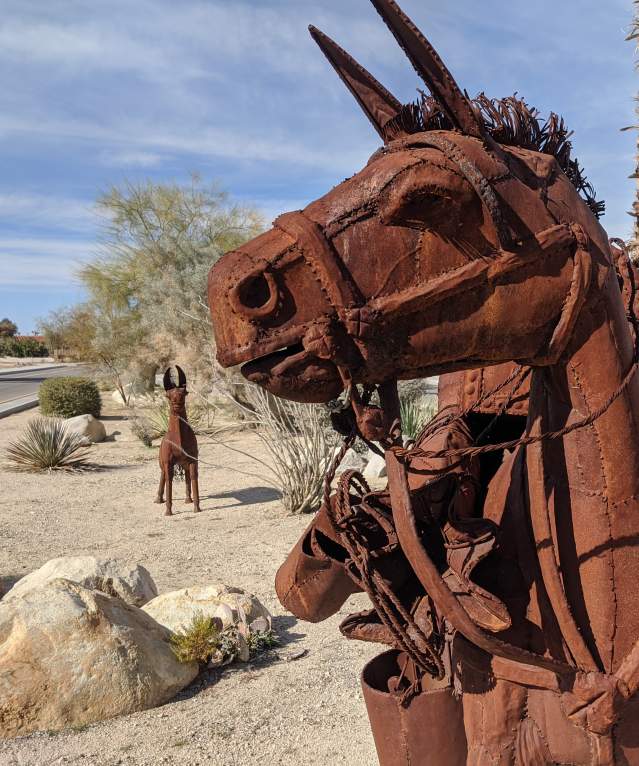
300	704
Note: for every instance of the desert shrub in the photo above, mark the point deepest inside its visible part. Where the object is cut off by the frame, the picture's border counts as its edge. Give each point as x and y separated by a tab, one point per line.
415	414
156	415
141	429
300	443
69	396
46	445
22	348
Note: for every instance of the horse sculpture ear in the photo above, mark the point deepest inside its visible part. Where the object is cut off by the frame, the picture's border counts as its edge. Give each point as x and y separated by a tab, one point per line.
168	382
377	103
181	377
431	69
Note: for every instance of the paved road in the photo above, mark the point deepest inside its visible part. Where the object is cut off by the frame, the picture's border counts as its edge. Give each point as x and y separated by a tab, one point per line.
18	385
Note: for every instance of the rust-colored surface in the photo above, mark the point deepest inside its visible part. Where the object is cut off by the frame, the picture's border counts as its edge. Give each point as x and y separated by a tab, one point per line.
468	247
178	447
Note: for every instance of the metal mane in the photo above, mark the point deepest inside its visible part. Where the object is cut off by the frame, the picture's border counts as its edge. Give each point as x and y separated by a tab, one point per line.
509	121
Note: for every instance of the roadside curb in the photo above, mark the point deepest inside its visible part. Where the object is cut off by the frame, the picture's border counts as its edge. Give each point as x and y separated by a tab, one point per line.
32	368
18	405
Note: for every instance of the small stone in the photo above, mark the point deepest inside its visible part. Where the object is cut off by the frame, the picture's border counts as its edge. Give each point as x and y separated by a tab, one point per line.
352	461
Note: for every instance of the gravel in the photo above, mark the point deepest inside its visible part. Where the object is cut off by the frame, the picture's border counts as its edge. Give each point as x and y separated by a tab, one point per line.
298	704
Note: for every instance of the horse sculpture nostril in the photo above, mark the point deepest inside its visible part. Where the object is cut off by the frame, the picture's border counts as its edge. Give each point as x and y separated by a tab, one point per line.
256	295
254	292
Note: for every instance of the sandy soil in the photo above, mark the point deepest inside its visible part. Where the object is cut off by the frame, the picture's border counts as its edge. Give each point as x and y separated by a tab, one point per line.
272	711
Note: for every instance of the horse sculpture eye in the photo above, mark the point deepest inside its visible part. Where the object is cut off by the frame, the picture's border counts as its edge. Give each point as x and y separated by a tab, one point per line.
256	295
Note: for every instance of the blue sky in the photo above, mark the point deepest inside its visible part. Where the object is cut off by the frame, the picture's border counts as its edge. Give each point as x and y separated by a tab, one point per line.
98	92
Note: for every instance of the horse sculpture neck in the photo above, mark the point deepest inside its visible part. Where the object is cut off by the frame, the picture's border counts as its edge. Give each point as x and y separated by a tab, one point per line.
590	484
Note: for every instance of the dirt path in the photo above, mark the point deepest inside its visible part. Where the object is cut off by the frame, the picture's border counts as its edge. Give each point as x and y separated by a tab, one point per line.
308	711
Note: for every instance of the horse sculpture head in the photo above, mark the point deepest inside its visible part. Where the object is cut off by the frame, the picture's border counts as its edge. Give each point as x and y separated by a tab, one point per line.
463	242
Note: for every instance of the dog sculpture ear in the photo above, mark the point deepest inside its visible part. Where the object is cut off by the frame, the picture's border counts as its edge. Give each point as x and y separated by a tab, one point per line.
181	377
168	381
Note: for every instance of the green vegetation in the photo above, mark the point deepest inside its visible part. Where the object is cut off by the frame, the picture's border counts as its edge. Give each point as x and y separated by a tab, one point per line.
415	414
199	641
69	396
46	445
205	639
300	445
22	347
146	289
7	328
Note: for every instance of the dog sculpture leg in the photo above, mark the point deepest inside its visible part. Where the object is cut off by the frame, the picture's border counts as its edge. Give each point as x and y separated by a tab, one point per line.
169	489
188	481
160	496
195	486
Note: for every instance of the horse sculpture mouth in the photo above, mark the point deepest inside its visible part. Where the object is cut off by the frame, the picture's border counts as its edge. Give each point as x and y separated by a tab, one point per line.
294	373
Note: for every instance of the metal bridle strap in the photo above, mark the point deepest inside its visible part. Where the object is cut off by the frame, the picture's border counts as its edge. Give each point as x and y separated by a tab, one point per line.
476	273
337	283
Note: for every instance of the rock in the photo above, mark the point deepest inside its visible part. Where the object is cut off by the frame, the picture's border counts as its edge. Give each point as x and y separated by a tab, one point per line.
134	585
89	428
176	610
352	461
376	467
70	656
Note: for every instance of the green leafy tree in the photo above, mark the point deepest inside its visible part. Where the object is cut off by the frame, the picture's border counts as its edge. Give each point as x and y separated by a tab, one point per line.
147	286
70	332
7	328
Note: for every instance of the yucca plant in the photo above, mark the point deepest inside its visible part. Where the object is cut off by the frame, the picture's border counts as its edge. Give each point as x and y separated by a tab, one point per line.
415	414
300	445
46	445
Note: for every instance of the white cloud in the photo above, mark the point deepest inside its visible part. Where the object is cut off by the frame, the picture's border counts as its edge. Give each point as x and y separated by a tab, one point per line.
41	262
130	158
17	208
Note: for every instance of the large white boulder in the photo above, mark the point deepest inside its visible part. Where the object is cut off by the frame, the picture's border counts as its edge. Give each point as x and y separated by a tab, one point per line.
70	656
376	467
177	609
133	584
90	429
352	461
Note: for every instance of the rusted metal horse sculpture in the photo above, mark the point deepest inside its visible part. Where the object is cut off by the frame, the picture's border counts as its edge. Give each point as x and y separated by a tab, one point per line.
502	560
178	447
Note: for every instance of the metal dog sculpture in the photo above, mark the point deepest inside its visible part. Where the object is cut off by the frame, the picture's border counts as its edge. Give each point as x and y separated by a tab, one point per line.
502	560
178	447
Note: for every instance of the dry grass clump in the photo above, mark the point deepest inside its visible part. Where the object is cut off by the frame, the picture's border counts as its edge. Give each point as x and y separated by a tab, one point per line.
46	445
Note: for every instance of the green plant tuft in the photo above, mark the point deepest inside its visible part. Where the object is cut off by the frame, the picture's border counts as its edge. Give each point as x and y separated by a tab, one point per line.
199	641
261	641
69	396
46	445
205	639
